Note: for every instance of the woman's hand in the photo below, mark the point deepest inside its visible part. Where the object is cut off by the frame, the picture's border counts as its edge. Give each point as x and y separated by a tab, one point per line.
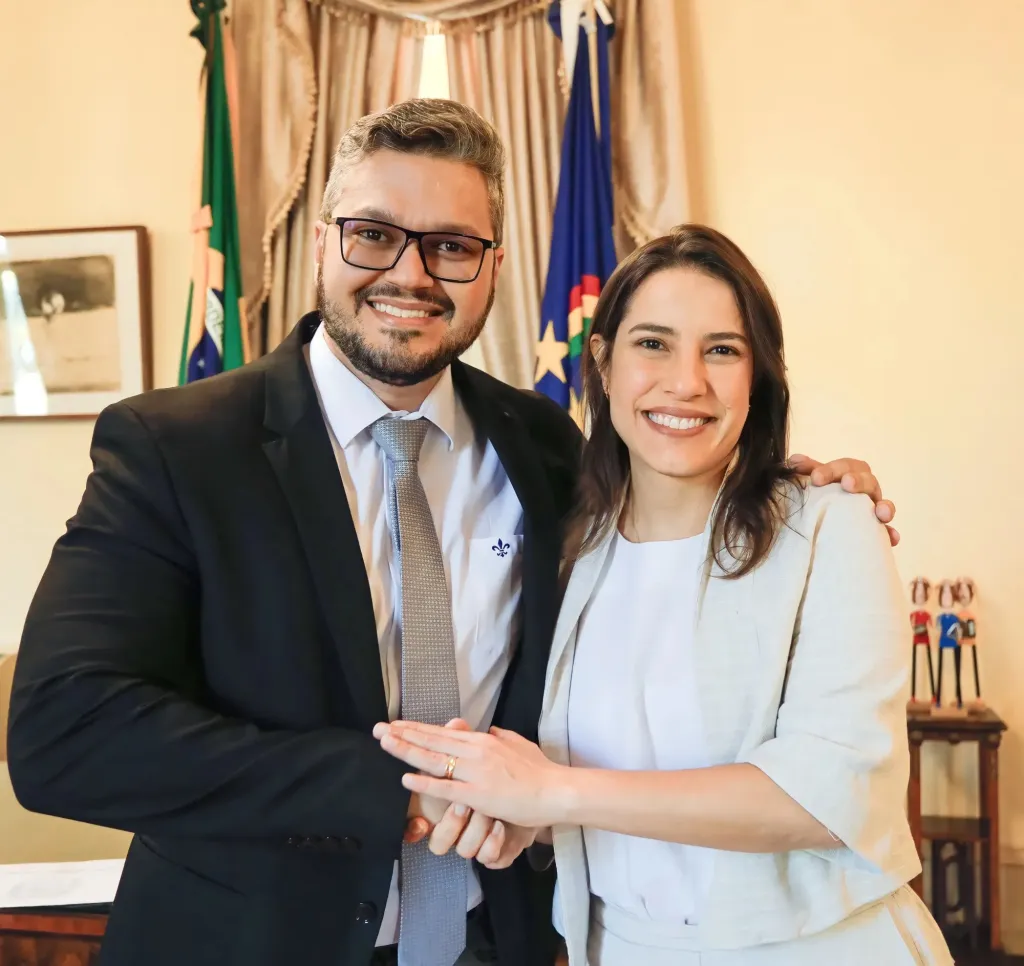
473	835
499	773
446	827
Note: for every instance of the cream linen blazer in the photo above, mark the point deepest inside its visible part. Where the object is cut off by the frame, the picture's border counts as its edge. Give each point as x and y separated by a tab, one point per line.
802	670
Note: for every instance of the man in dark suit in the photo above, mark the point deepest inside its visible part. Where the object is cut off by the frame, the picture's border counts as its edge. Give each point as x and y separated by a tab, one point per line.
267	563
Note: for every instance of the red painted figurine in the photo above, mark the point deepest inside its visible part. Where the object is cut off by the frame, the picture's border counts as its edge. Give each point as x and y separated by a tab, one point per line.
921	621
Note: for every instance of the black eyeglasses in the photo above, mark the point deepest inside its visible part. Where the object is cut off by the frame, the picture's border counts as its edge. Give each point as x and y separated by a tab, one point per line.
378	245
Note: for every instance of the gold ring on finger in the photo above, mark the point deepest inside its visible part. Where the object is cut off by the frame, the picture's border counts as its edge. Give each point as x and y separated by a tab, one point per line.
449	769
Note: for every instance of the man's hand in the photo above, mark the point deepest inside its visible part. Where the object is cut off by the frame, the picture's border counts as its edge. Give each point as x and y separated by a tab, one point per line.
854	476
416	830
424	814
444	823
495	845
466	831
505	844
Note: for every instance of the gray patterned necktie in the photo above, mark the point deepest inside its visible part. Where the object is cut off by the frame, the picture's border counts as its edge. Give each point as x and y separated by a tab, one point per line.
432	888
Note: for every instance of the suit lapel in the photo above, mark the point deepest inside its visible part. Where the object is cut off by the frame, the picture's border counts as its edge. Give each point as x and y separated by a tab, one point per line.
520	704
726	653
582	581
300	452
578	591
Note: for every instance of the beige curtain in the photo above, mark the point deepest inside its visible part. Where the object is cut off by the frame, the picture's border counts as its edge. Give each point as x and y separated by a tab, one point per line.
654	112
509	73
307	73
277	117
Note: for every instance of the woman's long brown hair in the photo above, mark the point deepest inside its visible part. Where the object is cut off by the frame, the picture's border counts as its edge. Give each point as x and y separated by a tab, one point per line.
752	506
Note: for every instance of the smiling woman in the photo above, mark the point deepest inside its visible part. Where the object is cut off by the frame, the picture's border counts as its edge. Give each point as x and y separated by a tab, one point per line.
685	370
713	367
722	755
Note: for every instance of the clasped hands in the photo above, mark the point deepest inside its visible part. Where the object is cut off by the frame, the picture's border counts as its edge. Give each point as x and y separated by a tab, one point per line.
499	797
503	792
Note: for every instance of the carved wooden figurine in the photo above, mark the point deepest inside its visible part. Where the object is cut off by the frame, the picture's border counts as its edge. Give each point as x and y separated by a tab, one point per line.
949	641
921	621
969	634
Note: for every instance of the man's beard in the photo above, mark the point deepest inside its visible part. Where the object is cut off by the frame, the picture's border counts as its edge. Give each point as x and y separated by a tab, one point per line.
394	365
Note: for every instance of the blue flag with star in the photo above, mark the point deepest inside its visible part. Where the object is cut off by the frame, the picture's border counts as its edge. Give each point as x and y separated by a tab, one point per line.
582	245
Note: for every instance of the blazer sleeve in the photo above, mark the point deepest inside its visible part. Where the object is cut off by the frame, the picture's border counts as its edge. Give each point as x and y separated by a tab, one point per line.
108	723
840	745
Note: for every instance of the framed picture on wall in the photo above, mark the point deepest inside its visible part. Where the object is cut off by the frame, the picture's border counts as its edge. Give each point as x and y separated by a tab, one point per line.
75	325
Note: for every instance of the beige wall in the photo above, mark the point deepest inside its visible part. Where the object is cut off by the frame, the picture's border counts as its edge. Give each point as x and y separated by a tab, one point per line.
99	128
868	154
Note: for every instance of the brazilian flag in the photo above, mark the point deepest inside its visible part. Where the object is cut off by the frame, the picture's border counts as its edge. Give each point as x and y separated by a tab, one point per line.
582	244
215	338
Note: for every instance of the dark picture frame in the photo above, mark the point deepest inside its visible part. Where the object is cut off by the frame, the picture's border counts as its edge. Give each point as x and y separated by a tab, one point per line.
75	320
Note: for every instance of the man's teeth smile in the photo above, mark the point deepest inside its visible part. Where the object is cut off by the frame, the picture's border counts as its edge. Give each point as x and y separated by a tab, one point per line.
401	313
677	422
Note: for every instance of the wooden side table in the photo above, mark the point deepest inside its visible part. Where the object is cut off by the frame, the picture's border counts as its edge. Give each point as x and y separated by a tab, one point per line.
986	731
51	937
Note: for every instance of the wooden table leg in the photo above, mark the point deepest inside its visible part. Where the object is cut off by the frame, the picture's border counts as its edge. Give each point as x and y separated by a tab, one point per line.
988	770
985	864
914	802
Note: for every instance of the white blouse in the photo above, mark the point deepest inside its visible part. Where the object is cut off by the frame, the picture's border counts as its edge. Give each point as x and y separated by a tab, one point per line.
633	706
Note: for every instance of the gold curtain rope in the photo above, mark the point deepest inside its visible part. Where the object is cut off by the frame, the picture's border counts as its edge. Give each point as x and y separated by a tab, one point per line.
455	25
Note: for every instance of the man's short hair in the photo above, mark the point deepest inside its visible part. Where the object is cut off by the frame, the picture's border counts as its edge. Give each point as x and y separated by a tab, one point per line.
431	127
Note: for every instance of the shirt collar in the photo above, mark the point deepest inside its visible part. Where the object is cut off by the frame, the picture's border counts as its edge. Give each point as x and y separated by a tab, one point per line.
352	407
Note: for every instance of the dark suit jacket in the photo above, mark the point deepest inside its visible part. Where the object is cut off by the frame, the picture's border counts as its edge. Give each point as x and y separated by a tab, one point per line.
200	666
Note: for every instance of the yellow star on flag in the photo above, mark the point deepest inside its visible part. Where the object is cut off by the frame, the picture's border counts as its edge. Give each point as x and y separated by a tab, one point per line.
550	353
